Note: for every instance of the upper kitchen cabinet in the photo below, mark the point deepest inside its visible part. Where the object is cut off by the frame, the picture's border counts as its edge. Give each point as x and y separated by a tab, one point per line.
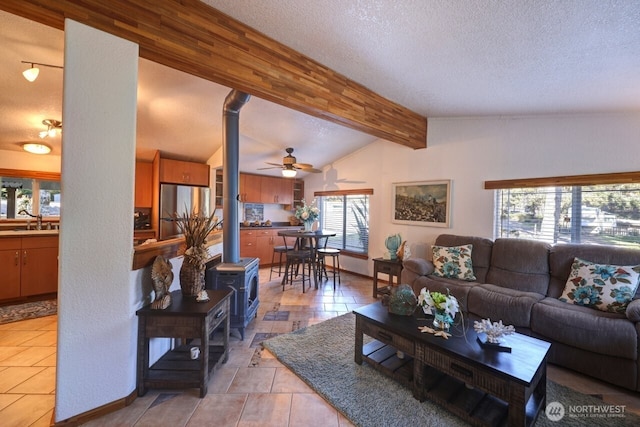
265	189
277	190
144	185
250	188
181	172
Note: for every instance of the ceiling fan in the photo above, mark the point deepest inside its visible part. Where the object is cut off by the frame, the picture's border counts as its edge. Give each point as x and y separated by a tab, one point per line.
290	167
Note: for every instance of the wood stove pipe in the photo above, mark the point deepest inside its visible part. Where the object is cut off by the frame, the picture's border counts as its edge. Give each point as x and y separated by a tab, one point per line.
234	101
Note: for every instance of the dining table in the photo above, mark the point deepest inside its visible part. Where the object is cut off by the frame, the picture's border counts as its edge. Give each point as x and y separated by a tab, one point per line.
307	239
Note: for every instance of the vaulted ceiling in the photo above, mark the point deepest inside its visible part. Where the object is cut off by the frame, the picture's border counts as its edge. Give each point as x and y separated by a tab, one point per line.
437	58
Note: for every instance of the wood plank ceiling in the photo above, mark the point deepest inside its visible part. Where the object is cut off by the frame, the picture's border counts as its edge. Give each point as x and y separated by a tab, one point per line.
193	37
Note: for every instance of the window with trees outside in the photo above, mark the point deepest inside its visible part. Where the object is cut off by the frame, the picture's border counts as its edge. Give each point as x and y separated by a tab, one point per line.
347	214
595	209
23	193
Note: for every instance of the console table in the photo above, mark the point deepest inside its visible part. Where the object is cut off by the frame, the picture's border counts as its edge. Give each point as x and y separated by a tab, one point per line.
183	319
392	267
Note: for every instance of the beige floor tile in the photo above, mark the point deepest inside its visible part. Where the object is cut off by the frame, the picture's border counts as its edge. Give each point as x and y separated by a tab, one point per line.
29	356
125	417
240	357
286	381
172	412
43	382
8	399
48	338
8	352
221	379
266	410
221	410
17	338
27	410
252	380
309	409
14	376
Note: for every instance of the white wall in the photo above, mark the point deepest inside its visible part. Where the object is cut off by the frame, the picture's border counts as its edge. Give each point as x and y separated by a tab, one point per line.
96	322
28	161
470	151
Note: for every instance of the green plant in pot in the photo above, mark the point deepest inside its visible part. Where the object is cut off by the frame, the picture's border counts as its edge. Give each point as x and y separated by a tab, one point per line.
195	227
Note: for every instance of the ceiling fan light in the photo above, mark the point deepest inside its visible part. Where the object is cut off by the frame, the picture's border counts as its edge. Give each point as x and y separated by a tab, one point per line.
289	173
31	74
35	148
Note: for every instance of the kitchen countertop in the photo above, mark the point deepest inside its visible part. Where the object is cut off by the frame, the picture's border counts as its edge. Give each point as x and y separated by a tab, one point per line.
28	233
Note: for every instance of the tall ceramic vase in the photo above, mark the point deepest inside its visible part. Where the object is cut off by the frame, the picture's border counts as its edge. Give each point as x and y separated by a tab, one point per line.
191	279
308	225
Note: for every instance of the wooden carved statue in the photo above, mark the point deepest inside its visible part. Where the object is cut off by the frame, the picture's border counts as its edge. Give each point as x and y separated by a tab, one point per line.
162	277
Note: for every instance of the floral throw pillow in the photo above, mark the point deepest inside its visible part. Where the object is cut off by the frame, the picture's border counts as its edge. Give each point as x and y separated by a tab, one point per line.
605	287
453	262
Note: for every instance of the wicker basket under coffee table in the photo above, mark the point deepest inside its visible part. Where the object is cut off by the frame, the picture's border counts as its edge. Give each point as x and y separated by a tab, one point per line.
482	386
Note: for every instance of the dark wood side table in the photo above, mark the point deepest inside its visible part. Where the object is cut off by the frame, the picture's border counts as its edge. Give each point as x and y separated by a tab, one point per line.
183	319
391	267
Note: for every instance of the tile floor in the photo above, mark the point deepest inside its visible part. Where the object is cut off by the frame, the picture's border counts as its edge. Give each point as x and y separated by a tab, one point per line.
251	389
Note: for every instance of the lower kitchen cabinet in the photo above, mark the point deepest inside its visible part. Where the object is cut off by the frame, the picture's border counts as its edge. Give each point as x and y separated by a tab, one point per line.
29	266
259	242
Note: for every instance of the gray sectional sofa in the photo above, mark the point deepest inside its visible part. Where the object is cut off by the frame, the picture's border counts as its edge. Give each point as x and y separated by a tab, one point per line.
520	282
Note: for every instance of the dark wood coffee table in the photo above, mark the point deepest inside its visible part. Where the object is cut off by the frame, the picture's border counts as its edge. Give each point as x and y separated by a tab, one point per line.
482	386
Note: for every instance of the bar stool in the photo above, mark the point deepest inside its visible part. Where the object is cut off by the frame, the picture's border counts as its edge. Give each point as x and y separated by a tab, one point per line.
298	260
324	252
280	250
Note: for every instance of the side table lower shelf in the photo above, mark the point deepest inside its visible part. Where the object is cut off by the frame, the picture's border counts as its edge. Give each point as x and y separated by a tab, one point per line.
176	369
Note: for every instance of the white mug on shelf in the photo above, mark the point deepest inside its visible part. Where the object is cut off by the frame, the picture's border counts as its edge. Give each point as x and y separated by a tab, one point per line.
195	353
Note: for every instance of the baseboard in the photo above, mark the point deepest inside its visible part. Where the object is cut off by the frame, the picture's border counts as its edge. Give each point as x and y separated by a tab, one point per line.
97	412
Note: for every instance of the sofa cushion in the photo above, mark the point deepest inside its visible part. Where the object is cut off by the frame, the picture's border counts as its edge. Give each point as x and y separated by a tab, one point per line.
457	288
453	262
520	264
584	328
605	287
561	258
480	256
511	306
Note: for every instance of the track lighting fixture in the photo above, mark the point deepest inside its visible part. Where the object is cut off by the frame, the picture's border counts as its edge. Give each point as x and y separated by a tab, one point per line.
31	74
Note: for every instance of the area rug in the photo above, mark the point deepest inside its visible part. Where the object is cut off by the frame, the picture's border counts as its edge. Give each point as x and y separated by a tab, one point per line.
322	355
28	310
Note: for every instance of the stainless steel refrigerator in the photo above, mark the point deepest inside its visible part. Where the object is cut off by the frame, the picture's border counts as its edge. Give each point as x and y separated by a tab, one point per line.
178	199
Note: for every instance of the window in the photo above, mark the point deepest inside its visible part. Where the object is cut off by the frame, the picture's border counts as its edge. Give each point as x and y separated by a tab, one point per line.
596	213
35	193
347	214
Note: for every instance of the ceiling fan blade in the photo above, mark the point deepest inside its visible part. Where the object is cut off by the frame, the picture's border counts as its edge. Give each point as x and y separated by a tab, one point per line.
312	170
274	164
270	167
302	165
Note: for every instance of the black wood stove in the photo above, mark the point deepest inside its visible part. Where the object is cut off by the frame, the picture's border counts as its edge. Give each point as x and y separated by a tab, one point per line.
242	277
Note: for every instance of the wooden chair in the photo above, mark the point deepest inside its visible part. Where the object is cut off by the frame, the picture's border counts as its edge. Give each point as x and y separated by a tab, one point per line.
299	260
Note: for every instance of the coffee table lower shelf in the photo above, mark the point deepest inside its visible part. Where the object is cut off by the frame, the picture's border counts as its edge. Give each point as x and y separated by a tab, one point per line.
471	404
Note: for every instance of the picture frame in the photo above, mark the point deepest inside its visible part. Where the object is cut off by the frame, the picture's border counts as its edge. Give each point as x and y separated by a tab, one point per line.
424	203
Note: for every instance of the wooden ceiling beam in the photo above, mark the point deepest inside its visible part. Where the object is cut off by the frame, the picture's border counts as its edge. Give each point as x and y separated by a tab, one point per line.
193	37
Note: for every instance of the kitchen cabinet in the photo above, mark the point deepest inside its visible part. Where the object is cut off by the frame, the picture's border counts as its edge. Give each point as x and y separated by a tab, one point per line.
29	266
298	193
181	172
218	187
144	185
265	189
250	188
259	242
10	249
276	190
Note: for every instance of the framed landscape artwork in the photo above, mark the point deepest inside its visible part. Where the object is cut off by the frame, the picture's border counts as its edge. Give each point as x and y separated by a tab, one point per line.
421	203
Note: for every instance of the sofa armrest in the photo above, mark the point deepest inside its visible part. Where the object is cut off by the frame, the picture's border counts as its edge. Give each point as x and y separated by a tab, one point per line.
633	310
419	266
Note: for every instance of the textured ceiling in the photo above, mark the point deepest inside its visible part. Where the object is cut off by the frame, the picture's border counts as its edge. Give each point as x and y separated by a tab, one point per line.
469	57
438	58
